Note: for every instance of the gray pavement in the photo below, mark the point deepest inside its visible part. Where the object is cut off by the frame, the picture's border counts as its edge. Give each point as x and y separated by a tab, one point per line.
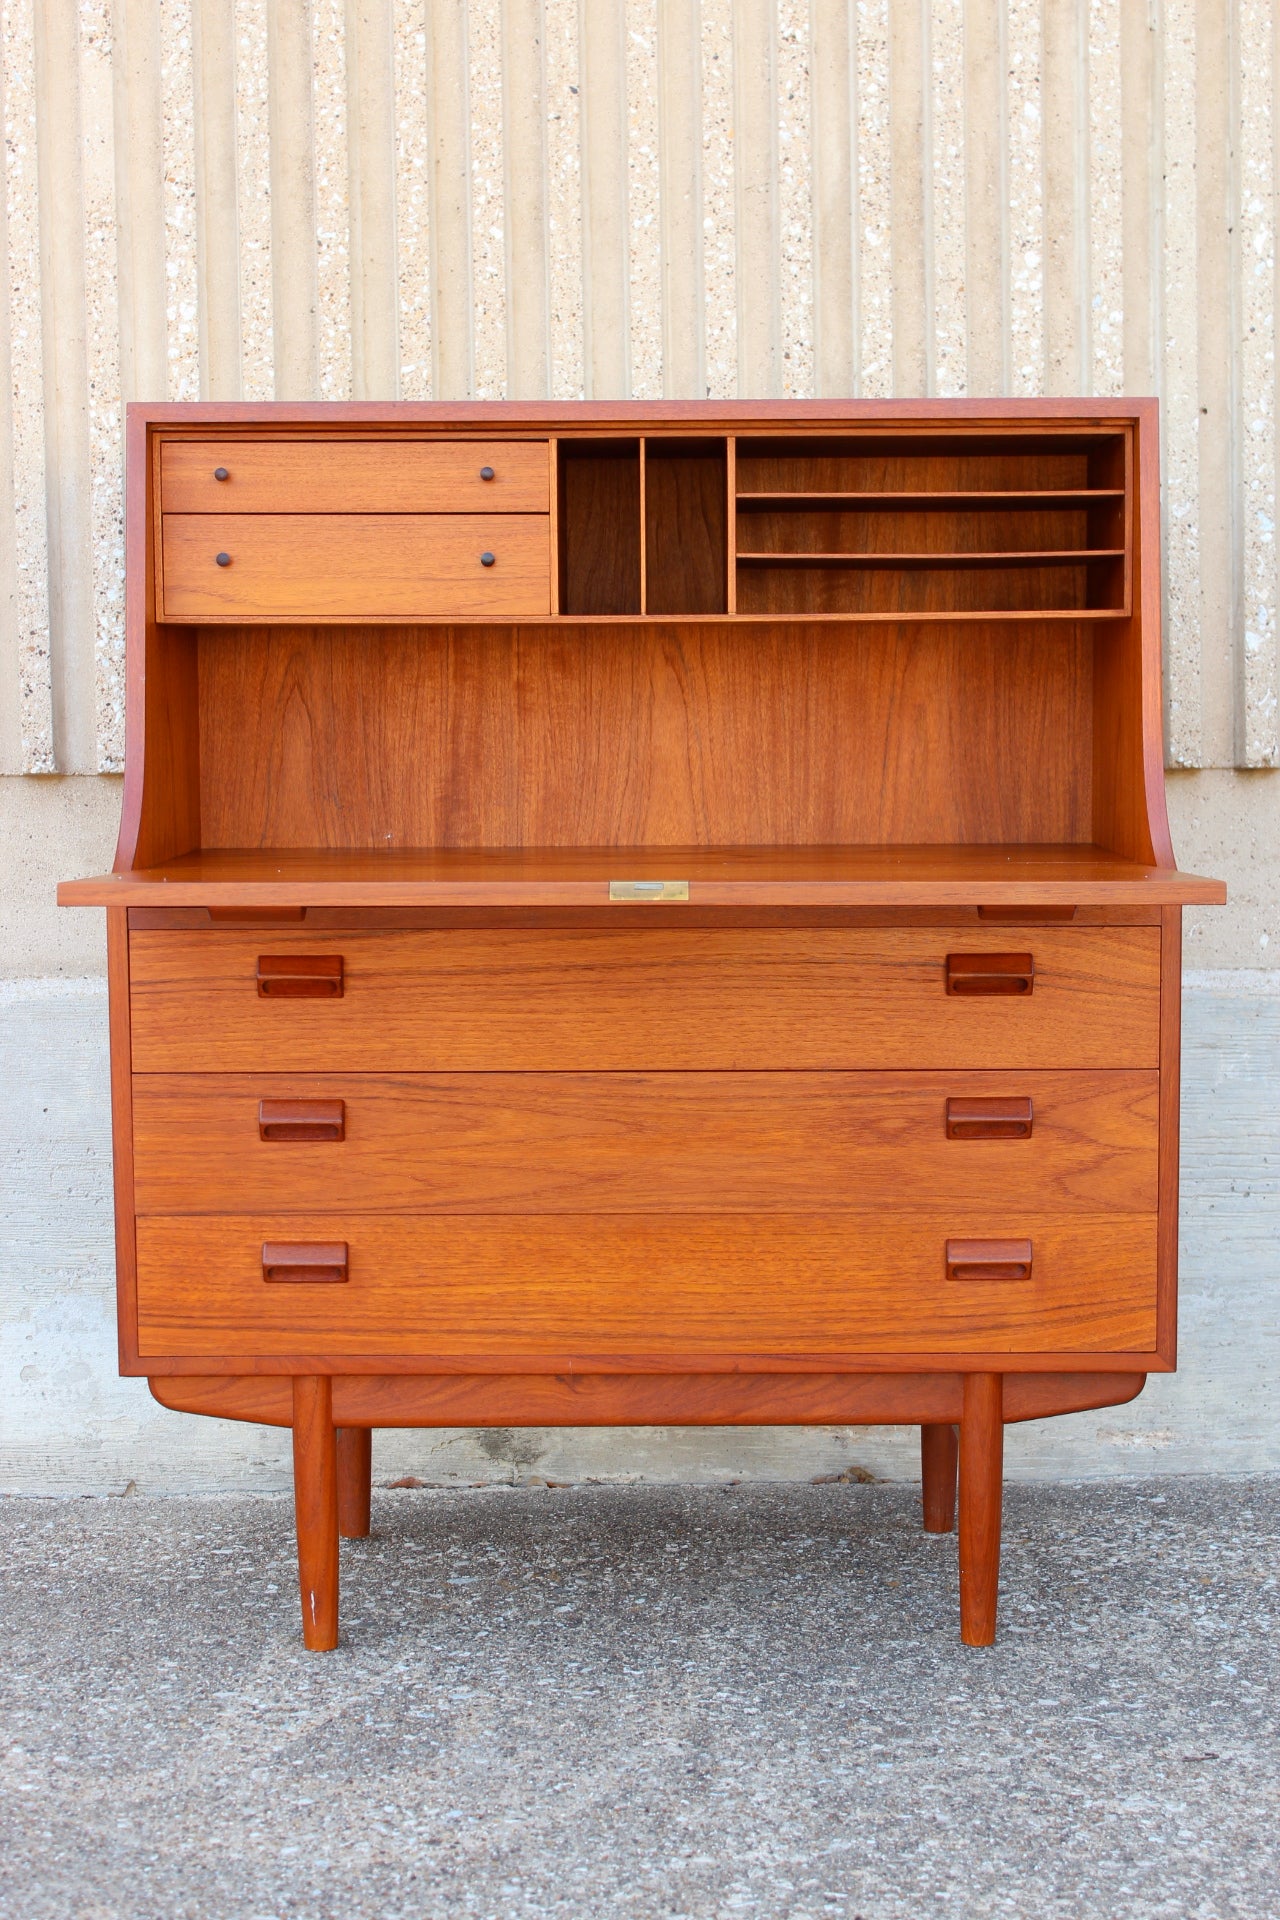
643	1702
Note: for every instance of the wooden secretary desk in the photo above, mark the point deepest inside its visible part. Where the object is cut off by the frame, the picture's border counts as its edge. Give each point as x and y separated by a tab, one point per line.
644	913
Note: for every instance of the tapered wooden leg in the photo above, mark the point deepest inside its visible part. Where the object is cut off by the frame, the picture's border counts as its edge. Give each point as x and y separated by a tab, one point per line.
315	1499
981	1474
355	1479
939	1451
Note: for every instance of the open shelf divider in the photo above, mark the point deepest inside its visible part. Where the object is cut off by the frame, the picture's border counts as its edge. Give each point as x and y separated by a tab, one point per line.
975	501
731	523
644	541
1067	557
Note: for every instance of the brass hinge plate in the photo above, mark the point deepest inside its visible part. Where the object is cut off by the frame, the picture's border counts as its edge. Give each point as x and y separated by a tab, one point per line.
649	890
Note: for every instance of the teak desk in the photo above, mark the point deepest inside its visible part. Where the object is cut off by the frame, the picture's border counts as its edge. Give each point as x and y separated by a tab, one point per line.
645	913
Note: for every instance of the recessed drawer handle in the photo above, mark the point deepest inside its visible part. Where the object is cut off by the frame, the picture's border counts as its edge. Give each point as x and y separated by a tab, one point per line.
300	976
988	1259
989	1118
256	916
302	1120
990	973
305	1261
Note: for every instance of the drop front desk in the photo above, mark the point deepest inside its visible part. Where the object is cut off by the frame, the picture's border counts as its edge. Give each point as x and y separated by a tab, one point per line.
644	913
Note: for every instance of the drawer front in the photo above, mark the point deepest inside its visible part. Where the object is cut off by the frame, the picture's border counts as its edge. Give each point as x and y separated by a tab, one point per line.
637	1001
643	1143
628	1290
354	476
350	566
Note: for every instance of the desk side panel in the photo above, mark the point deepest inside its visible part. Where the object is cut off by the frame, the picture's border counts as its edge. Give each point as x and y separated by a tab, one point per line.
1169	1150
122	1136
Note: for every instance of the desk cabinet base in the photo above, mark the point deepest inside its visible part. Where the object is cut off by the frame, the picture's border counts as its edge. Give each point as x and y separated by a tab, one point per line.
645	914
961	1418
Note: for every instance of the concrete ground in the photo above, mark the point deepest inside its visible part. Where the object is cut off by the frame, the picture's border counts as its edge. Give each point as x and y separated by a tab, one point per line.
643	1702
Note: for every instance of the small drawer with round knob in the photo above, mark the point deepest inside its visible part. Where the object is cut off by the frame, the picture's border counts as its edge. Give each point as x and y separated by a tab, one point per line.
361	567
355	476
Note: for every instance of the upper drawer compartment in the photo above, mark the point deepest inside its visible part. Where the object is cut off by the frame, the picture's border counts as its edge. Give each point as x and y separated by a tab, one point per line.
354	476
638	1001
354	566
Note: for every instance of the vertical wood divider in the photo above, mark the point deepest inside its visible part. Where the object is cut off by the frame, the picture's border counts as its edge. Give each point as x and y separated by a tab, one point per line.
644	545
315	1501
1128	519
731	524
553	518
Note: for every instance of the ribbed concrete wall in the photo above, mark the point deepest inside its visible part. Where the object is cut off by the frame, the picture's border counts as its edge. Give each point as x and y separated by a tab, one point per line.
258	198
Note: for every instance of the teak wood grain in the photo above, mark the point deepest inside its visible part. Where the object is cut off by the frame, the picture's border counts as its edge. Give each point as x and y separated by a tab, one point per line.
333	566
315	1497
644	1143
981	1471
661	1291
551	886
939	1456
685	528
857	674
712	1000
676	734
612	1399
349	476
355	1466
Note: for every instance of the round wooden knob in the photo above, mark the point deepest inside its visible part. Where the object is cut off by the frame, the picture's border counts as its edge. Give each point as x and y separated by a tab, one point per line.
224	559
220	473
486	473
486	559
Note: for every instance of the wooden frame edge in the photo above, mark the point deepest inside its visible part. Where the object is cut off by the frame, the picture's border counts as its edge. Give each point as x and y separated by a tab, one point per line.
1169	1131
545	1366
122	1138
908	1399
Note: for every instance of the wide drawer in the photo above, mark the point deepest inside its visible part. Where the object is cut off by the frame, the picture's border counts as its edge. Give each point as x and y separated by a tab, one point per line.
630	1290
645	1143
636	1001
354	476
355	566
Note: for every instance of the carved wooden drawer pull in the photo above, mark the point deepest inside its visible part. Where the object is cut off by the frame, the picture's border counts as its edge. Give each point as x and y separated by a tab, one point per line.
323	1262
990	973
300	976
302	1120
989	1117
988	1259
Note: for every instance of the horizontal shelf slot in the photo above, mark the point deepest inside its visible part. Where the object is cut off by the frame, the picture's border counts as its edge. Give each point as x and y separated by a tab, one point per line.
1071	556
1067	499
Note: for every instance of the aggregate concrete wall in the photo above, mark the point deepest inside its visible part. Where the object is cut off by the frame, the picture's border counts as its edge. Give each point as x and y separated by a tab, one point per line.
633	198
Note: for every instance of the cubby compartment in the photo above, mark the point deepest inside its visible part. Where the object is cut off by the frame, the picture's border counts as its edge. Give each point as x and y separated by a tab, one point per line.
599	514
686	523
967	525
